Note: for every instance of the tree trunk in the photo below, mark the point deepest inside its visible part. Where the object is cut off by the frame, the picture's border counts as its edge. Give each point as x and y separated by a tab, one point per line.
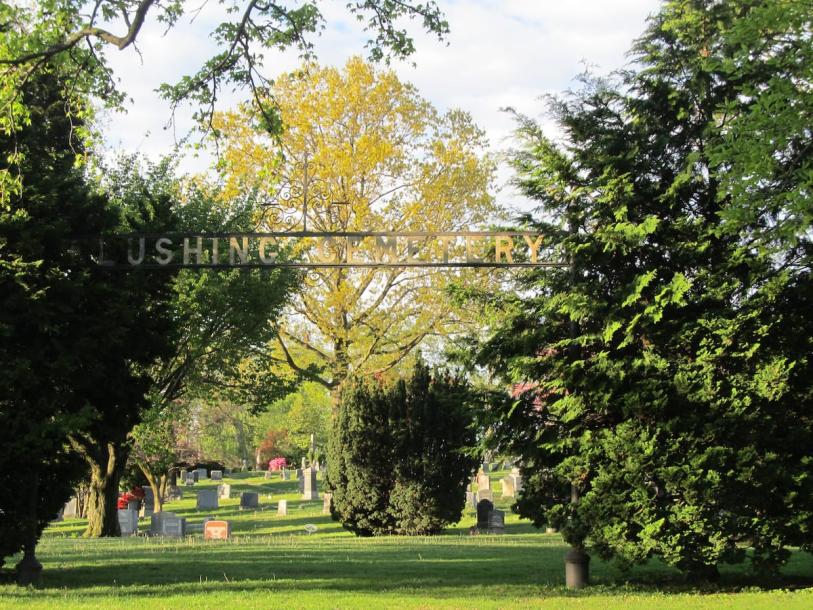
28	568
155	485
162	487
242	444
105	471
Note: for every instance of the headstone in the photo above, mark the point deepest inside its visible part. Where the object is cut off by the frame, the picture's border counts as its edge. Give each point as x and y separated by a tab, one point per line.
508	488
182	475
227	472
485	494
284	475
196	475
148	505
484	508
217	475
190	478
174	493
128	521
167	524
224	491
202	474
326	498
207	499
249	499
310	490
470	499
216	530
517	482
282	507
484	467
300	477
483	481
496	521
304	463
71	508
269	474
134	505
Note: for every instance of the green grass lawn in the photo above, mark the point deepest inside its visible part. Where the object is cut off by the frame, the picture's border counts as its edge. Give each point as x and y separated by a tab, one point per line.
271	562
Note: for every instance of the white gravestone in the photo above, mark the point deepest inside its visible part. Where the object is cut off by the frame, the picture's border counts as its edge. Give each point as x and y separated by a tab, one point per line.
71	508
485	494
483	481
224	491
282	507
217	475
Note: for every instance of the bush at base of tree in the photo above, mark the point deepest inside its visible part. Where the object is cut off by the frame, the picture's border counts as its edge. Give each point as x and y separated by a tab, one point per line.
397	461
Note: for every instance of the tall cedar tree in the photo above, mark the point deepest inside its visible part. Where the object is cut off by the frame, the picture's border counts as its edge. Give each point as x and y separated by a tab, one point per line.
61	320
667	372
397	461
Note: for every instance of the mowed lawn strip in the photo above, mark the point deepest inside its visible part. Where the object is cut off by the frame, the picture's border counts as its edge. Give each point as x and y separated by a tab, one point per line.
272	562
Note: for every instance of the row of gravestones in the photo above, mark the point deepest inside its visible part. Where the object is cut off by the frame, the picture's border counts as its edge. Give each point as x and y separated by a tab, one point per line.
190	477
171	525
145	507
511	486
493	466
308	486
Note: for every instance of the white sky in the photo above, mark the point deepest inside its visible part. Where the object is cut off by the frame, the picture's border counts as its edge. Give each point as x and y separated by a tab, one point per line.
499	53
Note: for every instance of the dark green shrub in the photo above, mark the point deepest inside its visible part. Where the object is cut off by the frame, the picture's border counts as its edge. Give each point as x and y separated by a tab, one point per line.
397	461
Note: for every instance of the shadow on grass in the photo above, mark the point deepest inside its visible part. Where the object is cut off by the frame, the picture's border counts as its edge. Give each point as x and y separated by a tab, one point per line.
440	566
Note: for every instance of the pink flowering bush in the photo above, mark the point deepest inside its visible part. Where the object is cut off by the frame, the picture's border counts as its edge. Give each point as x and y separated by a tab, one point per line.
278	463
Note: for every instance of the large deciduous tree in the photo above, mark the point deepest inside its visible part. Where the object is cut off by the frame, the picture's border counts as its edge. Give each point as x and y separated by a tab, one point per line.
79	35
221	318
359	151
666	374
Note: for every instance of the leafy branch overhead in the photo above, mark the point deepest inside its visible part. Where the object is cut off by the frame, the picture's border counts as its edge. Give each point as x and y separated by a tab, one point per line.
77	34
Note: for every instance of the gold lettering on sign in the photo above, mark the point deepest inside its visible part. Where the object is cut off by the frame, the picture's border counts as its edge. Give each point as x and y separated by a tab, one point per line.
162	249
268	260
504	246
352	247
388	246
187	251
142	247
445	240
471	257
242	252
413	249
533	247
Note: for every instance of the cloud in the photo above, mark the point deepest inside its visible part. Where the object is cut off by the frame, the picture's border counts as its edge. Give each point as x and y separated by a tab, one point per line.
499	53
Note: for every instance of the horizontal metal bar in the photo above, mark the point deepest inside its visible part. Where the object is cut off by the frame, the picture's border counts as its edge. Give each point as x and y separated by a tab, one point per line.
327	265
301	234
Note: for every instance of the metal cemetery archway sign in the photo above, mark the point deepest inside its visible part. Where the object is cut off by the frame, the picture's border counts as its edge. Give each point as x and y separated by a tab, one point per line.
323	249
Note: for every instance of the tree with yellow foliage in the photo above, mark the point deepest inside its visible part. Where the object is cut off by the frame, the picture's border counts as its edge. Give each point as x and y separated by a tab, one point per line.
359	151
